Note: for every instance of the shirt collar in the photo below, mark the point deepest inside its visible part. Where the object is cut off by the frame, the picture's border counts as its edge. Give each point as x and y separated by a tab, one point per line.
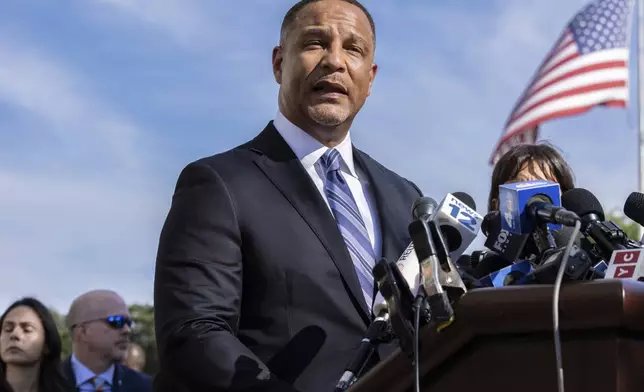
83	374
309	150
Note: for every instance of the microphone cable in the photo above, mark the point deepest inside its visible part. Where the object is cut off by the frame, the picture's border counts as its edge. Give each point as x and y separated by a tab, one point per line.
419	301
416	349
555	305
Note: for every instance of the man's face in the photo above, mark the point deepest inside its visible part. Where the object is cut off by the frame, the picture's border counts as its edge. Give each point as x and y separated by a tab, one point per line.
106	334
325	64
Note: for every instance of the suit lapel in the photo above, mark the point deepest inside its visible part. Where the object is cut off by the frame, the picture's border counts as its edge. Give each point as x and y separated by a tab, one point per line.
68	373
390	221
117	378
281	166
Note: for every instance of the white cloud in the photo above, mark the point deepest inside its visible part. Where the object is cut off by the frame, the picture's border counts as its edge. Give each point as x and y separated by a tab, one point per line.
65	228
184	20
62	235
39	85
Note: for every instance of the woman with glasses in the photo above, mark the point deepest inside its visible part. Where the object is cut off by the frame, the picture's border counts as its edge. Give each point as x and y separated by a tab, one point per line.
30	349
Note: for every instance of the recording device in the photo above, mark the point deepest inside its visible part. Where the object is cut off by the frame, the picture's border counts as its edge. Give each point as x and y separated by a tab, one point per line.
606	236
577	268
526	206
495	271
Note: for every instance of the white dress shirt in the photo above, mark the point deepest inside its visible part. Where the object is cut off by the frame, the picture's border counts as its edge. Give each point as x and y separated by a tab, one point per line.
83	374
309	150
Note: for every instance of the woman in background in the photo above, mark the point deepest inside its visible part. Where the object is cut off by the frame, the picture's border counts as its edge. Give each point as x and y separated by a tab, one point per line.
527	162
30	349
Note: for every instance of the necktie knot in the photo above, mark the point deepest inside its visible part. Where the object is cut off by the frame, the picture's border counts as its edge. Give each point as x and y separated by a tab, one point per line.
330	161
98	384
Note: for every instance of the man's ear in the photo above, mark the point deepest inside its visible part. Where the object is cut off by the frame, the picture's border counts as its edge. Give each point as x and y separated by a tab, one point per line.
372	75
277	63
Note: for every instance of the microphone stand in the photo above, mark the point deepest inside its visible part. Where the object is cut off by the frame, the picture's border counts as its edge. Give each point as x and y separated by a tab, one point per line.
398	315
377	333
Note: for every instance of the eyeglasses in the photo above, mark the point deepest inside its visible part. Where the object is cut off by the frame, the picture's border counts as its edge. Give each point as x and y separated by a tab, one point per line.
115	321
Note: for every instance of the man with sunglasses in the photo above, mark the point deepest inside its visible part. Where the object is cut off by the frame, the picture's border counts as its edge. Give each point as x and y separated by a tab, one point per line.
100	328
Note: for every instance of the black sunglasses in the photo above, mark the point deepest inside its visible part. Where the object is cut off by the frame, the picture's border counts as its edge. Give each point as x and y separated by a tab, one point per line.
116	321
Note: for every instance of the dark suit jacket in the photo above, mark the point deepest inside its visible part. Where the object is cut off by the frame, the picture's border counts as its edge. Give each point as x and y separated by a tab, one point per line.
125	379
254	286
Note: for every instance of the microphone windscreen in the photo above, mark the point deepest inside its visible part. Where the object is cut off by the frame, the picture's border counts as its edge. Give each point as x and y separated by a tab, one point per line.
634	207
423	206
582	202
491	223
466	199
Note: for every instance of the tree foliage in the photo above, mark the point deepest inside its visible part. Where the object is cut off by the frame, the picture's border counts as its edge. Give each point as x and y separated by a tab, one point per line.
142	334
631	228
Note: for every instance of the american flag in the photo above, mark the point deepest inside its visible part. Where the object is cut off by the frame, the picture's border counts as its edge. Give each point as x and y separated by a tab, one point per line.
587	66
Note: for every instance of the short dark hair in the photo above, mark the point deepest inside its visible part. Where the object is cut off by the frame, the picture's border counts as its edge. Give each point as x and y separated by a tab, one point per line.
544	155
291	15
51	378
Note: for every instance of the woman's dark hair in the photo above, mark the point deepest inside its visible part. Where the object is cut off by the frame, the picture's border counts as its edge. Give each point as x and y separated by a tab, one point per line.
544	156
51	378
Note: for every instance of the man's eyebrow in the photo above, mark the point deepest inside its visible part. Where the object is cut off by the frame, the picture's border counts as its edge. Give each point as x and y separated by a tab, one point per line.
313	30
359	39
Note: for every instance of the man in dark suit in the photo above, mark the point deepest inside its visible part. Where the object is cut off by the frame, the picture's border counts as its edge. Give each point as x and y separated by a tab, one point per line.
99	322
263	274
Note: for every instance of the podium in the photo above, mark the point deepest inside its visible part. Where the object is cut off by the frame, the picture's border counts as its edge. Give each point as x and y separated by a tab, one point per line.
502	340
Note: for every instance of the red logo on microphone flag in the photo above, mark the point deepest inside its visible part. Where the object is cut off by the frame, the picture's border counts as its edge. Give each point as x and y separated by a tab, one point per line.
627	257
626	271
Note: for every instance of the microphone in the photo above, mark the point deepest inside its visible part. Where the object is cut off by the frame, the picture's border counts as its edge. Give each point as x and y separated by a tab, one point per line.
626	264
494	270
506	244
453	226
458	221
456	234
525	206
368	345
608	237
634	207
578	267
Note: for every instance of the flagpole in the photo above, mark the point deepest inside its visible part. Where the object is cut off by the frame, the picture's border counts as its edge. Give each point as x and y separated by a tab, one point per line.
640	106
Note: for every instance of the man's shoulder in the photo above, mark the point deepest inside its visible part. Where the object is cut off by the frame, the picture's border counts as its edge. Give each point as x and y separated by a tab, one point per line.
236	156
233	160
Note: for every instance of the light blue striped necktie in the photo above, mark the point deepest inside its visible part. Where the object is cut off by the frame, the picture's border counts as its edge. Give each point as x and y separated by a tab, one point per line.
349	220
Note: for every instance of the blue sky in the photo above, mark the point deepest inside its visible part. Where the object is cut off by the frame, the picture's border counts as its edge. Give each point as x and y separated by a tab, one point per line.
103	102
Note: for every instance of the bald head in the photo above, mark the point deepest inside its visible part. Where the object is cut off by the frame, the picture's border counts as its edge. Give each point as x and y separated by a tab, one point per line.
94	305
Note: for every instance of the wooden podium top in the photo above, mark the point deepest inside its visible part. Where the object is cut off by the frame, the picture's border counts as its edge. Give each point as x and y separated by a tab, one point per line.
523	313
